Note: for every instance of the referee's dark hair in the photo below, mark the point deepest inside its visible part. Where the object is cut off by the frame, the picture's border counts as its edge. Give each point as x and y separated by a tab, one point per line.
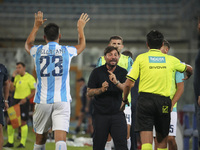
51	31
116	37
155	39
166	43
21	63
110	49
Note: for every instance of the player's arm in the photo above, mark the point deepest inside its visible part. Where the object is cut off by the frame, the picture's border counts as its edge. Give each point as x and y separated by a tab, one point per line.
189	71
6	87
179	92
31	38
97	91
81	36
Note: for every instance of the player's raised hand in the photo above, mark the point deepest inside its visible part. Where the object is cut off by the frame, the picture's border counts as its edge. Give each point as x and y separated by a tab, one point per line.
82	20
39	19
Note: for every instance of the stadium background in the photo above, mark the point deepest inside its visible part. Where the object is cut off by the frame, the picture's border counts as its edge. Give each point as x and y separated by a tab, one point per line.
131	19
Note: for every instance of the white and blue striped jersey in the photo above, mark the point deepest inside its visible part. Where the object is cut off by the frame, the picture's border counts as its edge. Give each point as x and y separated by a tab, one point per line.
52	64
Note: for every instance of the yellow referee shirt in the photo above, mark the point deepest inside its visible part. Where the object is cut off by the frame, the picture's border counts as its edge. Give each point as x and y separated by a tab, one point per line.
23	85
155	70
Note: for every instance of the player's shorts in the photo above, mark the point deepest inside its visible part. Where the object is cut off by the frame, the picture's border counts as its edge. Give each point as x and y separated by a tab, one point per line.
153	109
24	109
172	127
127	112
173	124
55	116
1	115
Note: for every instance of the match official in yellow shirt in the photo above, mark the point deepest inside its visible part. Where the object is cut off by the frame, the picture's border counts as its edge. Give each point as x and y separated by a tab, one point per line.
154	105
23	84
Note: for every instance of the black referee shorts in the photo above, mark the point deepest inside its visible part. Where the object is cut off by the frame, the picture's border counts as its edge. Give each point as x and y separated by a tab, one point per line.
24	108
152	110
115	125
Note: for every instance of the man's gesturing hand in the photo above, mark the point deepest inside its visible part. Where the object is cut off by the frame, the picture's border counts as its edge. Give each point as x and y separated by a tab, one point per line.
112	77
105	86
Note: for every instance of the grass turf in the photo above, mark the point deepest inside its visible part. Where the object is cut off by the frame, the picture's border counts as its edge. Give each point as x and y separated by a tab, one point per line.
31	139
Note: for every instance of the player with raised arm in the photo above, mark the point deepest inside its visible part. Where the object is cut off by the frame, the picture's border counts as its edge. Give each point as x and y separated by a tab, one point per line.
52	98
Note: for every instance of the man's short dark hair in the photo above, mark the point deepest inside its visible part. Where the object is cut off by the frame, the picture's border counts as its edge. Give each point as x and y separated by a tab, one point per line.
155	39
166	43
127	53
21	63
110	49
116	37
51	31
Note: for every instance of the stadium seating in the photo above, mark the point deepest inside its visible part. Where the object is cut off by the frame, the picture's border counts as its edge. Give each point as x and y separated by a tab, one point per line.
113	14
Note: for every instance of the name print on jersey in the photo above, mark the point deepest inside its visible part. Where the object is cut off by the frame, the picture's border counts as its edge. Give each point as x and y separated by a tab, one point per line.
49	51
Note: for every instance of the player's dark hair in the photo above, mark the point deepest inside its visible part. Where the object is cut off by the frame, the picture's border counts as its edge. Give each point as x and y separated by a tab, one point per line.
127	53
166	43
21	63
110	49
155	39
116	37
51	31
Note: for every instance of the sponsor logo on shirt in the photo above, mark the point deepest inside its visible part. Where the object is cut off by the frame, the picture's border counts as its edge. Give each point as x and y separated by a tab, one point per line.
153	59
157	67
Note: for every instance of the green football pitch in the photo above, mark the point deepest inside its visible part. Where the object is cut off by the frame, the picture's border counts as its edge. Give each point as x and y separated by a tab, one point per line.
31	140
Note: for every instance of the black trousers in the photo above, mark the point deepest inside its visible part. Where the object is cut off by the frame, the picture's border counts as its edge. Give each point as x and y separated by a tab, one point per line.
113	124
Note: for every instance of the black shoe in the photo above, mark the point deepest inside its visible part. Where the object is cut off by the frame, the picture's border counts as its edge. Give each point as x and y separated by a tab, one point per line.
20	146
8	145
